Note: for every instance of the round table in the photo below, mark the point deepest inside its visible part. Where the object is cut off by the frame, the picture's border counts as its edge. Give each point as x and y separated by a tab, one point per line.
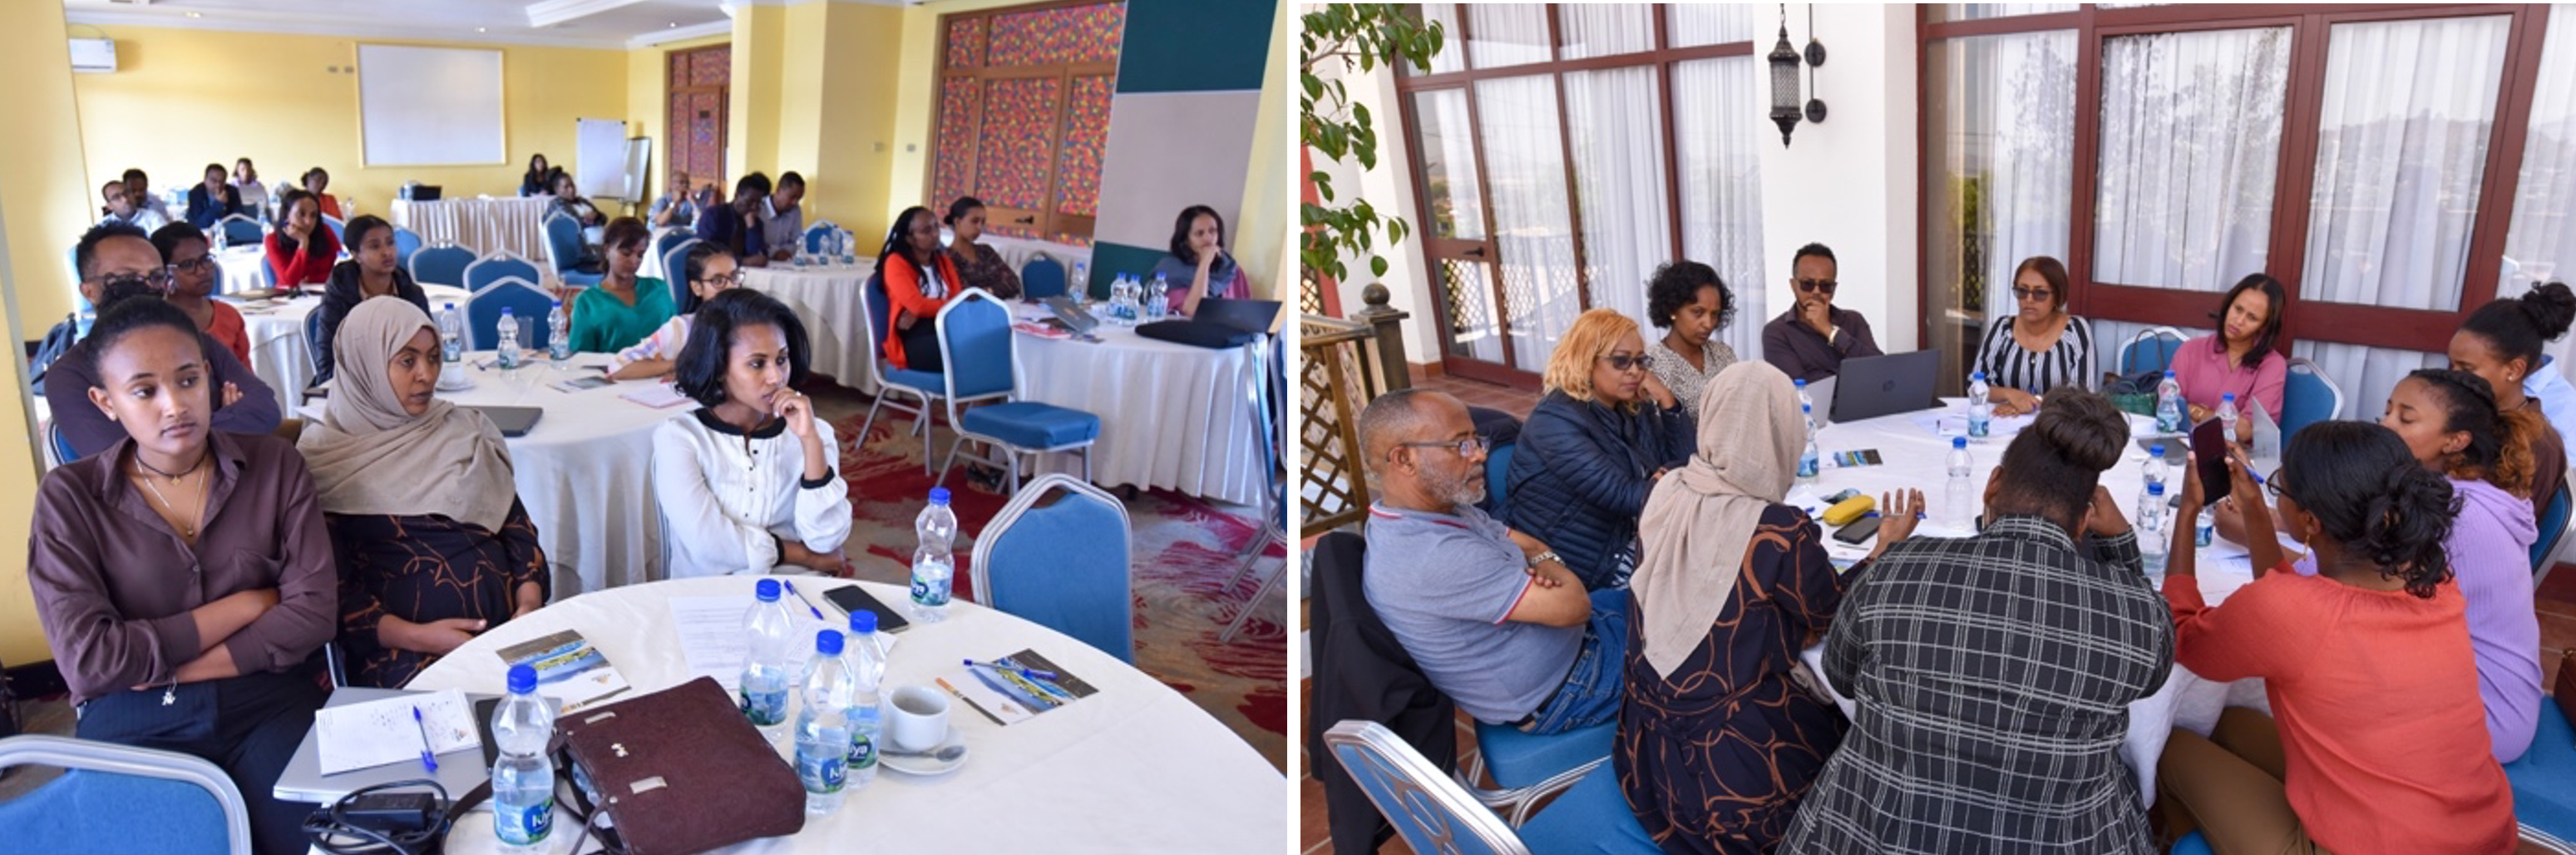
832	302
244	269
585	471
483	224
1915	456
1136	768
278	353
1174	416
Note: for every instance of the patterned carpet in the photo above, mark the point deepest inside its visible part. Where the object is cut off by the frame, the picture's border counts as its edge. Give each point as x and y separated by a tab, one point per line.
1185	549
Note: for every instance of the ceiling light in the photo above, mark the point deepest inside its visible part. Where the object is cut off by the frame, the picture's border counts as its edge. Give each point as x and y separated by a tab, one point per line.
196	14
480	30
675	25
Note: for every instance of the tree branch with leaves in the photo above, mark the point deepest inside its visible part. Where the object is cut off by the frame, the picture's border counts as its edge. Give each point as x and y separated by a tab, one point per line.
1361	37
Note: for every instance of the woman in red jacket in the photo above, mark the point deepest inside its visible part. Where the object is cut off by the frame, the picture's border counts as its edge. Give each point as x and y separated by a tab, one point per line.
918	280
300	250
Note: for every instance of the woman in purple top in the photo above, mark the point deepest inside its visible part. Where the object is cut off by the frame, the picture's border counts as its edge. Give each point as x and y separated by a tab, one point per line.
2238	360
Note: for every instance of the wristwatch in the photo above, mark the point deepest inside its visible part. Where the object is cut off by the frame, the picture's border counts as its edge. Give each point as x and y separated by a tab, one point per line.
1545	557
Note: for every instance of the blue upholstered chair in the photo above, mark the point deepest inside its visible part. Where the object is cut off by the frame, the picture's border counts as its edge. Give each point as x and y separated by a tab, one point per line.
313	347
1519	759
564	249
2151	349
675	271
817	233
406	242
1435	814
1042	277
2308	396
498	266
2553	529
922	386
1063	565
443	264
62	445
240	230
976	354
119	798
524	300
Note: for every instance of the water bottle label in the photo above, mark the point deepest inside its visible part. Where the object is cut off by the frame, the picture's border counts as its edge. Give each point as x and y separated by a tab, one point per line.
928	592
824	772
765	709
1978	428
863	747
451	350
523	825
560	349
1806	466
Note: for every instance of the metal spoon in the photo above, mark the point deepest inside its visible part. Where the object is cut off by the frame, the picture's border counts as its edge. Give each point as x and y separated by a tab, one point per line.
943	754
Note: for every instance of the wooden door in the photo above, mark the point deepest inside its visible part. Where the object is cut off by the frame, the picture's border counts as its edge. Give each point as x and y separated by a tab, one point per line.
699	83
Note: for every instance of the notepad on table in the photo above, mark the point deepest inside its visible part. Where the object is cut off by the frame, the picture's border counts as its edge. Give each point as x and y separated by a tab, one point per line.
374	733
657	396
569	669
1008	696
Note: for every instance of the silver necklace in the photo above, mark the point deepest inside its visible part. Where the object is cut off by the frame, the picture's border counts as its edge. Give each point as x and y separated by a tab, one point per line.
187	531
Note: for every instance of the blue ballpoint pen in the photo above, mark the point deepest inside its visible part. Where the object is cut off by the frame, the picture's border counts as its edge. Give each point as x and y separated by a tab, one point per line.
427	760
1024	672
809	604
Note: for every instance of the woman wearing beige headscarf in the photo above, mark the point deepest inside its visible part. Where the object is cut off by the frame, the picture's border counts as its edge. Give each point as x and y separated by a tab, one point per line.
432	542
1717	742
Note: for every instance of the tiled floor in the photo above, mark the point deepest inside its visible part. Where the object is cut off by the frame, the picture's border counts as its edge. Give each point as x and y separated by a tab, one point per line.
2556	601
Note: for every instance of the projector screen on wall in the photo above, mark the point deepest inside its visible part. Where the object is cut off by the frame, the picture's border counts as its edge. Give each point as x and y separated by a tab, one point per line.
425	106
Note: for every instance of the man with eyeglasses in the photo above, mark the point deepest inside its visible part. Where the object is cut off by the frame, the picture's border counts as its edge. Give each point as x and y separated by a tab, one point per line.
118	262
120	208
1494	619
1810	341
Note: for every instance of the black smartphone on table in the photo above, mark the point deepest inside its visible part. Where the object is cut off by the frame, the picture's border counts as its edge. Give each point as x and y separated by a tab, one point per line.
1859	530
852	599
2209	452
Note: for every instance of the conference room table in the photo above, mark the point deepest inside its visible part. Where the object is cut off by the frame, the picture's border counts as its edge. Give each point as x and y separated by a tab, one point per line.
830	299
1136	768
244	269
516	224
278	351
1174	416
1916	445
584	472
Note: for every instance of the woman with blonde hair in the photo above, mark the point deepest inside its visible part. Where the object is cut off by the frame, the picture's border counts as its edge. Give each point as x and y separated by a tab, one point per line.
1604	434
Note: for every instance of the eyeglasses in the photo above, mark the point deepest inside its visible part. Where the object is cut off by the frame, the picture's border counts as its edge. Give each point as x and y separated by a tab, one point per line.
2273	486
724	280
199	264
2030	294
158	280
1625	362
1821	285
1468	447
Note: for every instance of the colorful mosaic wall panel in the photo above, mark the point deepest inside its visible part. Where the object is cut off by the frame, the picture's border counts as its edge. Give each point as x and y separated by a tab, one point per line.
955	166
711	68
1086	135
679	70
1062	36
706	135
1019	136
965	42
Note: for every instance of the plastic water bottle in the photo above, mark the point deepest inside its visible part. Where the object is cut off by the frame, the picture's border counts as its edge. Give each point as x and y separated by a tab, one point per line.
766	670
451	334
823	726
1080	288
1805	404
523	778
1958	499
1981	412
2203	529
2155	469
2153	541
558	334
509	340
1807	465
866	661
934	568
1158	300
2169	409
2227	416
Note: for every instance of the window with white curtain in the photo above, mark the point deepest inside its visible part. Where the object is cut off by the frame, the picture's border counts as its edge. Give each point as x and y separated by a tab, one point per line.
1501	34
2183	194
1715	131
1695	24
1976	11
1533	226
2541	246
1999	171
1619	182
1606	29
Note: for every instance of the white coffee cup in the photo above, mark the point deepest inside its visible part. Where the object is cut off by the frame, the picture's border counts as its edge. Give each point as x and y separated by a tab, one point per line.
917	718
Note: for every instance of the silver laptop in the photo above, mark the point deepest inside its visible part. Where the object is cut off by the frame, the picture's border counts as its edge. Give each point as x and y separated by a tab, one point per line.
1070	315
302	779
1873	386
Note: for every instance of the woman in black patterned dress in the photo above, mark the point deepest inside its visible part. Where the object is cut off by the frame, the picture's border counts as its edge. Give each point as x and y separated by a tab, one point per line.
433	544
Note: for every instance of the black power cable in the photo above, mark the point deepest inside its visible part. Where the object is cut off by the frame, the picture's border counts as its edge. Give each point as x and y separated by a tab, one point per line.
372	821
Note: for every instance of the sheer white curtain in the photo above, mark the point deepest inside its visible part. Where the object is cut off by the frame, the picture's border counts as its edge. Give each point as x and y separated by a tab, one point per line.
1973	11
1448	167
1507	34
1533	230
2401	147
1618	140
1453	52
1694	24
2188	156
1716	124
1606	29
2541	245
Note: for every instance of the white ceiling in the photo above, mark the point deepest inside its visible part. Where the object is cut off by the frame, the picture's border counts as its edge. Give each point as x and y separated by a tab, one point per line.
568	23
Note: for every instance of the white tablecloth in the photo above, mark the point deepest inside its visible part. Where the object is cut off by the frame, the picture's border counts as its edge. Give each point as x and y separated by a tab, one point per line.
1134	769
1915	458
483	224
585	472
278	353
832	302
242	268
1171	415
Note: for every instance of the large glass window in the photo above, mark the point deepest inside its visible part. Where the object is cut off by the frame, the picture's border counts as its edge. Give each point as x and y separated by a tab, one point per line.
1998	165
2184	179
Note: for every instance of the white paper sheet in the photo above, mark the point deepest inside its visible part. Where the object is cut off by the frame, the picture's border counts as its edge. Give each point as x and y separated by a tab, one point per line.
356	736
714	643
656	395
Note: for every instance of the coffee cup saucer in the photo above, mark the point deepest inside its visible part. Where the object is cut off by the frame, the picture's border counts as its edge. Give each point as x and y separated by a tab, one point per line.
925	765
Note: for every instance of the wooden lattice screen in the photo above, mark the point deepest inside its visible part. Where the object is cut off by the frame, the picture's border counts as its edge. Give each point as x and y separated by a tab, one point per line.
1332	487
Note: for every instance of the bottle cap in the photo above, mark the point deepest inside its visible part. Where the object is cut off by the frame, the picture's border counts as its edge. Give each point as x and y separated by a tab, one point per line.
863	622
766	590
1802	382
2168	373
939	495
523	679
558	304
2227	398
2155	488
1977	375
2157	451
828	642
1958	442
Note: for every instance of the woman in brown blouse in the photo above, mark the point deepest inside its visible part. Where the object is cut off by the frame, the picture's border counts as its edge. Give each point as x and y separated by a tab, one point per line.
183	576
434	546
978	264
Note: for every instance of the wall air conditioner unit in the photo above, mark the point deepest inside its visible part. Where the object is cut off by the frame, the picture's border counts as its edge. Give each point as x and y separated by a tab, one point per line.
93	55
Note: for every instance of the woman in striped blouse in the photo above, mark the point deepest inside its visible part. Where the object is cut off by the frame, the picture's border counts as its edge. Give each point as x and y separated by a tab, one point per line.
2038	348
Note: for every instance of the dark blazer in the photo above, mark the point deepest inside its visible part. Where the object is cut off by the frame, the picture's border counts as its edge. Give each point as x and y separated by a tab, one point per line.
204	212
1580	475
1362	672
340	296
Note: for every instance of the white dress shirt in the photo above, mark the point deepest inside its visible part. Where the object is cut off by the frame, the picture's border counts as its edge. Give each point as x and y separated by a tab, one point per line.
725	502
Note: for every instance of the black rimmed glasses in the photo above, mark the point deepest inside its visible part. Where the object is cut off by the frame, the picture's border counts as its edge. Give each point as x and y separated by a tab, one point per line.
2273	486
724	280
1824	286
157	280
194	266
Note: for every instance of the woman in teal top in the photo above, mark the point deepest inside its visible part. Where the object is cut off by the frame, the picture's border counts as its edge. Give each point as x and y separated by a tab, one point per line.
623	308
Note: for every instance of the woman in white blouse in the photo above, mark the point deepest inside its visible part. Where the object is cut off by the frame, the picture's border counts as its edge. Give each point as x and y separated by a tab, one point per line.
751	481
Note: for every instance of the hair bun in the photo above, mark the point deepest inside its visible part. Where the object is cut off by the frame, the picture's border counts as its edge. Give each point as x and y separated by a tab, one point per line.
2552	308
2083	427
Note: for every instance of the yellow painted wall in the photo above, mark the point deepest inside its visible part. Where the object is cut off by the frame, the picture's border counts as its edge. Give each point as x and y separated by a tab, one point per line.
759	48
44	206
647	73
853	129
1262	240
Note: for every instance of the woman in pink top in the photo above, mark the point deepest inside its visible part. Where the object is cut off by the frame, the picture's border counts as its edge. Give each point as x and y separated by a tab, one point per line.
2240	359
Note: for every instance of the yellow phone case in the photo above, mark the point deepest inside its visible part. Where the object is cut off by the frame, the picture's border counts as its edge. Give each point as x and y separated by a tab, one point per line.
1849	509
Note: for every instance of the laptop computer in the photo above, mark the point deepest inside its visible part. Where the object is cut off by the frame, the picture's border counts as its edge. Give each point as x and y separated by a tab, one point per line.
1070	316
302	779
514	422
1253	316
1873	386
